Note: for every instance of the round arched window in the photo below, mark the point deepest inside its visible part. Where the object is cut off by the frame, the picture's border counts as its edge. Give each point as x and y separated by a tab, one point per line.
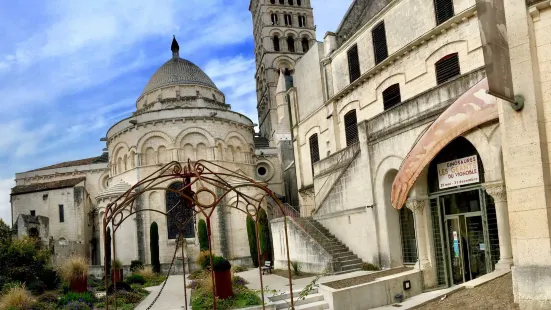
262	171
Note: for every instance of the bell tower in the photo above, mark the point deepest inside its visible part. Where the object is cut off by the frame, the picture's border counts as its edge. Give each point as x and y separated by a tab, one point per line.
283	31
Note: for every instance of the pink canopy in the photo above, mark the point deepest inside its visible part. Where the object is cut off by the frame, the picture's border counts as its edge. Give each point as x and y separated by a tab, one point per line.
473	108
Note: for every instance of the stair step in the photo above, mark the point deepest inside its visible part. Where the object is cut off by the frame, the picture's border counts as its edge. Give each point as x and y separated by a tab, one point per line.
288	295
318	305
351	266
347	271
350	262
311	298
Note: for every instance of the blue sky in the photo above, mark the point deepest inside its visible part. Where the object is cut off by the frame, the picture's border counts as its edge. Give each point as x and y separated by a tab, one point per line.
71	69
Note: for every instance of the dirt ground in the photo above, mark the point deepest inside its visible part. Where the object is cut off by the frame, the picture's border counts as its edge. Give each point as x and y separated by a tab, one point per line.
285	274
365	279
496	294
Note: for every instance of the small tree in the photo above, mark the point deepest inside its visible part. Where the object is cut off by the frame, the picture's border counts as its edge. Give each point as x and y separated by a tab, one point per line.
154	246
264	235
203	236
251	233
5	233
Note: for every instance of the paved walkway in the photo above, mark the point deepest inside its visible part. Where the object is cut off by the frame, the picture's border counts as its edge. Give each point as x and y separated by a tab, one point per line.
171	298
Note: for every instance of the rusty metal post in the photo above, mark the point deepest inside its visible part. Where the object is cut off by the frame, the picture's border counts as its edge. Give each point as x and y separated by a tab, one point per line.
184	268
289	263
259	264
211	266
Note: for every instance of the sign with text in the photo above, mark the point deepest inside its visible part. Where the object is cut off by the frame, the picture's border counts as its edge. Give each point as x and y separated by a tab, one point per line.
457	172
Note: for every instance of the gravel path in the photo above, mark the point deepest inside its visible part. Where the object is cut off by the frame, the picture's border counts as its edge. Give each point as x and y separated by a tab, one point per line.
496	294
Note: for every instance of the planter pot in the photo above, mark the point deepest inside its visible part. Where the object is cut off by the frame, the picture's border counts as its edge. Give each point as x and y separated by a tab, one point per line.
117	275
223	287
79	285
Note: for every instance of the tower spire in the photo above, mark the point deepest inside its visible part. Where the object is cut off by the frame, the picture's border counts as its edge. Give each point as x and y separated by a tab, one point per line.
175	47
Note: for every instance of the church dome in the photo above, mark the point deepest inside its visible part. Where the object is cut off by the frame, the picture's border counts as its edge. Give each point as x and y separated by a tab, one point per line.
178	71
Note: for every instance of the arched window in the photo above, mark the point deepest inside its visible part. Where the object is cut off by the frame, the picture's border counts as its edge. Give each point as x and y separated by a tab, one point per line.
299	3
447	68
351	127
179	210
281	1
314	150
391	96
407	231
288	19
291	44
272	1
305	45
276	43
275	19
302	21
291	2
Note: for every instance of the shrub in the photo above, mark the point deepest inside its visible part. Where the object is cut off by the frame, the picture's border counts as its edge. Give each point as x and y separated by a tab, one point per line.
135	265
121	286
76	305
8	286
71	297
23	260
48	298
264	236
75	267
237	269
220	264
146	272
50	277
251	233
43	306
203	235
129	297
154	246
17	298
237	280
135	278
369	267
37	287
117	264
97	284
204	259
297	268
197	274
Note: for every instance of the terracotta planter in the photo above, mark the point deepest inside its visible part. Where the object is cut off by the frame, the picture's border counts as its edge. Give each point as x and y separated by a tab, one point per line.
117	275
79	285
223	287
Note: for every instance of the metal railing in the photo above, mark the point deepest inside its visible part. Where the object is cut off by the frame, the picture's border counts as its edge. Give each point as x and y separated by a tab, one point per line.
287	210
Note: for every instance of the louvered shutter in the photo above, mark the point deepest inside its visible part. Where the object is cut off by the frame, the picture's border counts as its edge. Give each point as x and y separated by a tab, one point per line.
443	10
391	96
379	42
314	150
351	127
447	68
353	64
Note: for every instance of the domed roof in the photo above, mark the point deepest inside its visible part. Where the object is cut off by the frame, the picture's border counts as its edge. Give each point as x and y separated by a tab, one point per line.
178	71
115	190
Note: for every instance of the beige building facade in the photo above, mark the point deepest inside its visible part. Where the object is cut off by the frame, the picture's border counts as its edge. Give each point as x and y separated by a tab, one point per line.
397	74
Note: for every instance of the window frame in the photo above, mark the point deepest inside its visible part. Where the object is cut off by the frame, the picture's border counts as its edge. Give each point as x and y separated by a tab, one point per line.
435	6
376	44
351	135
352	74
61	209
389	103
275	39
314	151
293	49
441	78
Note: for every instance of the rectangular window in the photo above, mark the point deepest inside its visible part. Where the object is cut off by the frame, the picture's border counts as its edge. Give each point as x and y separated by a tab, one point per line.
314	150
351	127
61	214
33	213
353	63
443	10
447	68
378	36
391	96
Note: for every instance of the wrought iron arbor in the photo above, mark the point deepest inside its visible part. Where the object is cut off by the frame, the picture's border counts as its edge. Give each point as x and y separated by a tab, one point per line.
203	185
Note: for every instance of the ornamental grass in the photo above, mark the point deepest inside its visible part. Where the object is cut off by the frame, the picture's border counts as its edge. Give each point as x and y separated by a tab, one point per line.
74	268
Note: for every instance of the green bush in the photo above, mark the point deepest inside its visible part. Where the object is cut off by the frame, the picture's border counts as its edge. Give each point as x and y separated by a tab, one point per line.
49	298
203	235
135	265
297	268
154	246
238	269
76	305
121	286
264	235
220	264
44	306
251	233
135	278
369	267
72	297
50	277
204	259
37	287
23	260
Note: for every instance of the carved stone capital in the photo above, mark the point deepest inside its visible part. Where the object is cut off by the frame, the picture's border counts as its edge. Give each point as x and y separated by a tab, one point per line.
416	205
497	191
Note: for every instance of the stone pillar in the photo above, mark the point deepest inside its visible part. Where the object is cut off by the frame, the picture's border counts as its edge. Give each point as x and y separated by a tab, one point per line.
418	209
499	194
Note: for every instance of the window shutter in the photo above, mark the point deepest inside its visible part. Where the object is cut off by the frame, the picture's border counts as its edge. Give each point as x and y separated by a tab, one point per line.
353	64
379	42
351	127
443	10
391	96
447	68
314	150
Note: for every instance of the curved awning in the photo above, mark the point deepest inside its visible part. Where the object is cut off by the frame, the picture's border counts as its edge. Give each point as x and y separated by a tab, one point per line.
473	108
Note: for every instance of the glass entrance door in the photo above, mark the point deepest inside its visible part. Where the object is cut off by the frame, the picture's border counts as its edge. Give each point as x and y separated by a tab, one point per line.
458	252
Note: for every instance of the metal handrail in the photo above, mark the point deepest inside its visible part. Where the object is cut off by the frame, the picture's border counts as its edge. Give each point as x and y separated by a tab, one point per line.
288	210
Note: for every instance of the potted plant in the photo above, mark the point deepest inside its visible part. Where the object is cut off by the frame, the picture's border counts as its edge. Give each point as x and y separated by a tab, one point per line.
117	271
75	271
222	277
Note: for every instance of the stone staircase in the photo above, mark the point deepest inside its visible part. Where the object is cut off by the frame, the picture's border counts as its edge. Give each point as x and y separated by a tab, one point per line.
313	301
344	260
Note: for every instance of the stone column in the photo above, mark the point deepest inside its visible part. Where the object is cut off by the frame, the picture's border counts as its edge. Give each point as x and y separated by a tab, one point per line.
418	208
499	194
